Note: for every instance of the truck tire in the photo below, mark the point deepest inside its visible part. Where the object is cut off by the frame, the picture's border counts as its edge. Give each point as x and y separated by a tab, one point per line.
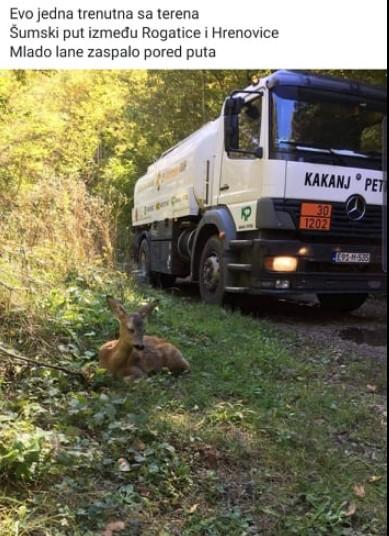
211	272
342	303
143	258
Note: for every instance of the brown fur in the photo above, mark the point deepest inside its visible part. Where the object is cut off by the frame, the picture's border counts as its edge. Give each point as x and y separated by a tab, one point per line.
134	355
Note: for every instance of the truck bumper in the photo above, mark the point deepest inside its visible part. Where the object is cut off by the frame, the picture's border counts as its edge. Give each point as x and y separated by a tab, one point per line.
316	272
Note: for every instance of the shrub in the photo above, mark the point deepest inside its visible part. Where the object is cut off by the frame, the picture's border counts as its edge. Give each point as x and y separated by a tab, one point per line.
24	451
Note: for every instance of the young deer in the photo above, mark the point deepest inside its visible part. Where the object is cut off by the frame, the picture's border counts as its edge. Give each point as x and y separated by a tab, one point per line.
134	355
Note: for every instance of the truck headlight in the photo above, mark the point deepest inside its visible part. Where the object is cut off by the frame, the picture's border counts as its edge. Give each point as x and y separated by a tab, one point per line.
281	264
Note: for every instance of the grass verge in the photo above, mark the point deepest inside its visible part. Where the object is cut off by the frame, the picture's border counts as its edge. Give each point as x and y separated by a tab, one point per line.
256	440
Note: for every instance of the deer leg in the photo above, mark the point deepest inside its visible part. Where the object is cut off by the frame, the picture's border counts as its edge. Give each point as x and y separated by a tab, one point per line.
134	373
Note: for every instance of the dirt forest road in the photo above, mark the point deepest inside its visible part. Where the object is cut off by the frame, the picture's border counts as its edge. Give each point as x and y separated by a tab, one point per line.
362	333
354	344
359	337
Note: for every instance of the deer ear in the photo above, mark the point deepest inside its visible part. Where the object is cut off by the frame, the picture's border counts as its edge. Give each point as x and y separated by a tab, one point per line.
148	309
116	307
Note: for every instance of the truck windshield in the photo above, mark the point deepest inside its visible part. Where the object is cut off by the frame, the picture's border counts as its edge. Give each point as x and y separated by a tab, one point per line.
315	125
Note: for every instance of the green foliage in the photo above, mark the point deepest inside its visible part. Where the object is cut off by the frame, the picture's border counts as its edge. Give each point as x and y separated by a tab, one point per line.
224	450
24	450
232	523
325	515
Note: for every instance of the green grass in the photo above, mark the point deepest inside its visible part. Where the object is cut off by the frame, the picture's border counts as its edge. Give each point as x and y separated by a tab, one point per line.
257	439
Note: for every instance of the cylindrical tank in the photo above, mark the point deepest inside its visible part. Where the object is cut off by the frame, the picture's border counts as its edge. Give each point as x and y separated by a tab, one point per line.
176	184
185	243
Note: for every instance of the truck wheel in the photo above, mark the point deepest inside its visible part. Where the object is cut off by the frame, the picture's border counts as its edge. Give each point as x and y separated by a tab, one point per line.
342	303
211	278
144	263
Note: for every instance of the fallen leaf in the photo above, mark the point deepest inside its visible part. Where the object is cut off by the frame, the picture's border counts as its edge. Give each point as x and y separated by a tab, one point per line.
359	490
210	455
352	508
113	526
139	445
375	478
372	388
143	490
193	509
124	466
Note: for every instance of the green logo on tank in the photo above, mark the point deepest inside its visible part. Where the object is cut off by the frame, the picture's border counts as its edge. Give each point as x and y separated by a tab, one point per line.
246	213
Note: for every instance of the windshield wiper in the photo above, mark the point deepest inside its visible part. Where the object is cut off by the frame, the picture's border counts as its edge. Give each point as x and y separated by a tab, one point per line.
340	154
374	155
340	157
303	145
315	148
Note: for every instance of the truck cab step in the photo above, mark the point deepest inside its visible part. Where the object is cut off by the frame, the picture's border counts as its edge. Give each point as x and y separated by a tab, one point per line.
240	244
237	290
239	267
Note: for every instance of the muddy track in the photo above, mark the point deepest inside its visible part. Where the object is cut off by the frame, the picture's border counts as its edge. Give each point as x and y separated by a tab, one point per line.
362	333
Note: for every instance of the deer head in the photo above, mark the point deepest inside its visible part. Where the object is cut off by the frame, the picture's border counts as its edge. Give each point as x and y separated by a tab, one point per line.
131	325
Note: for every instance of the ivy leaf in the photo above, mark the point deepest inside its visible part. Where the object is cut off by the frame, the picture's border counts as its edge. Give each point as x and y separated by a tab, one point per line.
351	510
124	466
359	490
113	526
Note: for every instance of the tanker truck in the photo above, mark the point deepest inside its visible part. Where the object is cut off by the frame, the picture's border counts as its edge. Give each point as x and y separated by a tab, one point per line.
280	195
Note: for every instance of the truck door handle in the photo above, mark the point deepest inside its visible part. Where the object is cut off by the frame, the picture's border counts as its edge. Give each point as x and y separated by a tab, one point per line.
224	187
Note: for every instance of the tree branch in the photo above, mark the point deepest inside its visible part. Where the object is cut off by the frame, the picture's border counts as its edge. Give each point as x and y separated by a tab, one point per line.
8	287
12	354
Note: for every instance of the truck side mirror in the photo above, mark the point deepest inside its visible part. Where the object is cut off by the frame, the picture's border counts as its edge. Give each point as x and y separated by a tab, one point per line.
233	106
232	111
231	123
258	153
231	132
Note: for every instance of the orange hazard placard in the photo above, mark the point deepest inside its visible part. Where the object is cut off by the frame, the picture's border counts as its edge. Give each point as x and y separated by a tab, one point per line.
315	216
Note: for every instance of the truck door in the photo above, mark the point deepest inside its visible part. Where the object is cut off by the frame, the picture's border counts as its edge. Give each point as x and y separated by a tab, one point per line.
241	169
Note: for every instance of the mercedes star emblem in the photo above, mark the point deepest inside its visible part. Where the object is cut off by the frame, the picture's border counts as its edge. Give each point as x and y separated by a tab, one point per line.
356	207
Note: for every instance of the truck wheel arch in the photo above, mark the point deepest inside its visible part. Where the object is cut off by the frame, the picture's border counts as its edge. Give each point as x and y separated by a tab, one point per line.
138	238
215	221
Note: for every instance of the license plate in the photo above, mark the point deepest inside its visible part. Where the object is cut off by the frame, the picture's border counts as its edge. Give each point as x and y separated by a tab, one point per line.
315	217
345	257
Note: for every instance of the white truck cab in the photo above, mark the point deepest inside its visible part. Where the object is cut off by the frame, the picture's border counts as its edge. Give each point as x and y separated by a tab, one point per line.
282	194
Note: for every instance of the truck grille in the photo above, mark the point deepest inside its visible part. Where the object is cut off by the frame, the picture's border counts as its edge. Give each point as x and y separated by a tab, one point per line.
368	229
329	267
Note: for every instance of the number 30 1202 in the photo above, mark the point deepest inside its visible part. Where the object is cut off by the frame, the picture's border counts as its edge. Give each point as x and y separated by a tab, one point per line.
315	216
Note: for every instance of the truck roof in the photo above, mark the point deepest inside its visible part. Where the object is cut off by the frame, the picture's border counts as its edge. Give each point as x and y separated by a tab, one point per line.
318	81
